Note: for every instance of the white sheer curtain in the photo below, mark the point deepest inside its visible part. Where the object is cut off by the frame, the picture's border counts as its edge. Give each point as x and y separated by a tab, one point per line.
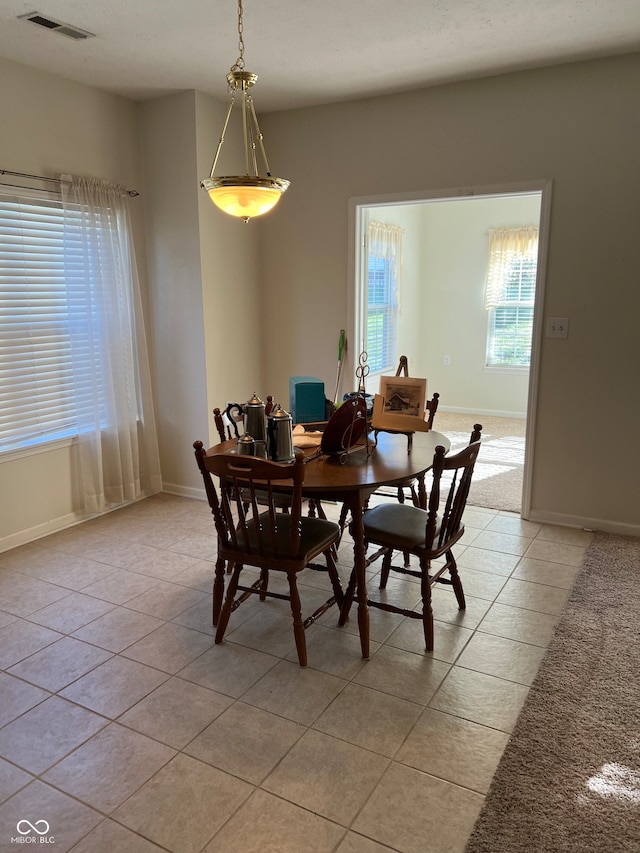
118	450
385	241
505	245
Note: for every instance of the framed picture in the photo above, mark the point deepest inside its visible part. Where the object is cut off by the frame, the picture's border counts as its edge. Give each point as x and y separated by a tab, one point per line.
404	395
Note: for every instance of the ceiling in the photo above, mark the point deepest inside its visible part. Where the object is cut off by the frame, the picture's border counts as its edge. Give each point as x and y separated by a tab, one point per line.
309	52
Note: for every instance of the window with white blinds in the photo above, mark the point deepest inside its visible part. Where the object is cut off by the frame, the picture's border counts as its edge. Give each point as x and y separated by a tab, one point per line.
37	386
511	320
381	315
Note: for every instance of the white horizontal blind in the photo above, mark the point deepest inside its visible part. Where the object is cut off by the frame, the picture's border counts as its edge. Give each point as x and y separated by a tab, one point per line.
511	320
37	384
381	315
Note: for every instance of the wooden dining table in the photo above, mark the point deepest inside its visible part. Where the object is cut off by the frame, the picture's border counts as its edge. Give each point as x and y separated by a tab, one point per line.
352	480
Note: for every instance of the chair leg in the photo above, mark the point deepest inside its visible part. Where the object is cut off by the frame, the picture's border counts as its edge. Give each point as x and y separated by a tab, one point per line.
228	603
386	566
298	626
218	590
334	576
347	599
427	610
264	583
455	581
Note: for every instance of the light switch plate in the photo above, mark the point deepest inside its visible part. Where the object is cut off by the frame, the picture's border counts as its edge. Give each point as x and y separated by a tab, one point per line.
557	327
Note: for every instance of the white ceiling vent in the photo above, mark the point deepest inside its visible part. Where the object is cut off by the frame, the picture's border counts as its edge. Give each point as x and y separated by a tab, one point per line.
56	26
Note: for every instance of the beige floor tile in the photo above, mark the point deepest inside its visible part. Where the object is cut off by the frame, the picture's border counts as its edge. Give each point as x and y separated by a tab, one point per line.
554	552
534	596
199	617
166	600
485	560
160	563
21	639
381	623
7	618
176	712
200	545
68	820
17	697
480	698
333	650
477	518
246	742
354	843
60	664
229	669
113	687
21	595
108	768
120	586
505	543
118	629
71	613
368	718
542	571
479	584
183	805
111	837
502	657
65	570
454	749
56	726
12	779
566	535
406	812
199	575
449	640
297	693
266	823
169	648
527	626
403	674
515	526
270	630
327	776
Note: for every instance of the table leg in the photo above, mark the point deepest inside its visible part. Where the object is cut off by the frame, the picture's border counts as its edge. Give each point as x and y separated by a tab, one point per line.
359	569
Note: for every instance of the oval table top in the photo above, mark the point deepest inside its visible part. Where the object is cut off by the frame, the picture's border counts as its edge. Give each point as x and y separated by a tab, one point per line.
387	464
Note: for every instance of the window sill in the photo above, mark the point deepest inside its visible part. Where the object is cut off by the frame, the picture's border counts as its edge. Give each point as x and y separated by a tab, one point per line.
33	449
515	370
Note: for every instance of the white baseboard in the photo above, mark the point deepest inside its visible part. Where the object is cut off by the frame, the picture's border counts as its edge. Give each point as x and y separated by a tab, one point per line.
490	413
23	537
602	524
184	491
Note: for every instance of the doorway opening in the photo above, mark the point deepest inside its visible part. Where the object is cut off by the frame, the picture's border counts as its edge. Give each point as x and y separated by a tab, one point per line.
480	354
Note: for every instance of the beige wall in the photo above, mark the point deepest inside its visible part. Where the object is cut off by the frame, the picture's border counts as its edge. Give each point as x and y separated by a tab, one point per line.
50	126
577	125
235	306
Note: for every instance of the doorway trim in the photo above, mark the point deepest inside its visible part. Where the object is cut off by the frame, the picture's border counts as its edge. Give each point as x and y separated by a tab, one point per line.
357	204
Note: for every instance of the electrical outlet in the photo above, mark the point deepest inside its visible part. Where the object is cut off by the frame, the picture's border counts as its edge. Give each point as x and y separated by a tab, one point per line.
447	360
557	327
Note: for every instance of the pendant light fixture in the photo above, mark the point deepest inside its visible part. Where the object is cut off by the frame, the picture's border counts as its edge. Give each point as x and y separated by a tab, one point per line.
250	194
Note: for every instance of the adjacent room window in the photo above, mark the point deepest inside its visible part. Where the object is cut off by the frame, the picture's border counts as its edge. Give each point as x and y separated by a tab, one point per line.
383	287
510	295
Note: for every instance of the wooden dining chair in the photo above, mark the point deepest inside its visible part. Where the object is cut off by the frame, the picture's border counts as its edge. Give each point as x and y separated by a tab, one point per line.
428	534
251	535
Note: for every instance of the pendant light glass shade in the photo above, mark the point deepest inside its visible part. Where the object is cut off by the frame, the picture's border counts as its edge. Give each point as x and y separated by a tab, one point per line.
245	196
251	194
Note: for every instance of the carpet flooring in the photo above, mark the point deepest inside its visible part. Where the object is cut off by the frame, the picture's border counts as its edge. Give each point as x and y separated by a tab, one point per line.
569	779
497	478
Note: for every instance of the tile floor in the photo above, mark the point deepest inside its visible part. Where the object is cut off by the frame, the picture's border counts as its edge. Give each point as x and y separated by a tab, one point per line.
126	730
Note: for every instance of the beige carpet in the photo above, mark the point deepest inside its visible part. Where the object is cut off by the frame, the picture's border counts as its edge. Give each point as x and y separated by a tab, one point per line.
497	478
569	779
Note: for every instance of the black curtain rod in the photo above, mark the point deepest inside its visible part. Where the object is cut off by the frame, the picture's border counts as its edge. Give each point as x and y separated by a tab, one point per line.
132	193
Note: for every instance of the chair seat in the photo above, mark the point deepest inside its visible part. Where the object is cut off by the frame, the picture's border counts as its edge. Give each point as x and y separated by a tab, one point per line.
316	535
400	525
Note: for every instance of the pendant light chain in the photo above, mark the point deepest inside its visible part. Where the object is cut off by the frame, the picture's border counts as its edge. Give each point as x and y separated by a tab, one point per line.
239	63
